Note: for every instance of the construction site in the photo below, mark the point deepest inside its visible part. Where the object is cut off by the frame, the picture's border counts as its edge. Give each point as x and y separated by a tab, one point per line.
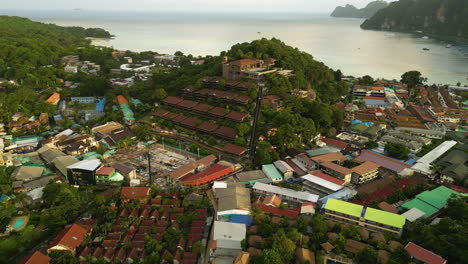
162	159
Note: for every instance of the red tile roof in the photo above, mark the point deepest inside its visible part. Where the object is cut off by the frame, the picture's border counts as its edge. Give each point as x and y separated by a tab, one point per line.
70	237
135	192
333	156
236	116
335	143
291	213
105	171
36	258
324	176
424	255
242	62
212	173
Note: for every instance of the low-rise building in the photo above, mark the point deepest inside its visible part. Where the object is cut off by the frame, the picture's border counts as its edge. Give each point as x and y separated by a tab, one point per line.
319	185
423	255
36	258
249	178
430	202
232	199
368	218
83	172
284	168
229	235
272	173
69	239
288	195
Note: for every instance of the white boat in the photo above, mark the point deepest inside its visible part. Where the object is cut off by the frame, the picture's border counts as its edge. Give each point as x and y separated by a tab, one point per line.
448	46
425	37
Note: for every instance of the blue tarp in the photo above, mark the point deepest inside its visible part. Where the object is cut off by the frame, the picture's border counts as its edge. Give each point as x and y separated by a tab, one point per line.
241	219
355	121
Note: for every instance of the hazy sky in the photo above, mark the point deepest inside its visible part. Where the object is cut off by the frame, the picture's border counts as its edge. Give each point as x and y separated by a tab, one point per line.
303	6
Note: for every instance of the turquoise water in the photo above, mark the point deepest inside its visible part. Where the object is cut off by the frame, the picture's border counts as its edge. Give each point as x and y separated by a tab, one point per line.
18	223
339	43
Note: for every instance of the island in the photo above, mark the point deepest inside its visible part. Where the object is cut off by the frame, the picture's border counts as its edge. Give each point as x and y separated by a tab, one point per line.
447	18
259	154
351	11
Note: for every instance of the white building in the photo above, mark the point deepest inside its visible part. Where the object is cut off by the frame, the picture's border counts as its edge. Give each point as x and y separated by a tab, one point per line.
229	235
423	165
71	69
285	194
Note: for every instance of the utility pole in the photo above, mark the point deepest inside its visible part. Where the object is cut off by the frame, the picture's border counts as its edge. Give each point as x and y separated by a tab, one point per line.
148	156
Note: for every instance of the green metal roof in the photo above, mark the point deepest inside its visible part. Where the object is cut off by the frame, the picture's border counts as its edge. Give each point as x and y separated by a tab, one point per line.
317	152
384	217
437	197
422	206
271	171
344	207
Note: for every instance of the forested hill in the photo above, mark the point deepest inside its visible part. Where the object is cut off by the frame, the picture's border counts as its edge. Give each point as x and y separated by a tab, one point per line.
307	71
353	12
439	17
26	45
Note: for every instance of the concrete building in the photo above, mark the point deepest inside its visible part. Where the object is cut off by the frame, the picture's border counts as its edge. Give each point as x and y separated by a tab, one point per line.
232	199
248	68
229	235
249	178
288	195
272	173
368	218
83	172
284	168
319	185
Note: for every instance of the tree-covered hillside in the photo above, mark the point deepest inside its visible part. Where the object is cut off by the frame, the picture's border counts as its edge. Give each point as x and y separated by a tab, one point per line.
26	45
308	73
439	17
353	12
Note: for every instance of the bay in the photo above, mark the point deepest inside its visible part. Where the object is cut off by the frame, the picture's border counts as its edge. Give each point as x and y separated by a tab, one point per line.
337	42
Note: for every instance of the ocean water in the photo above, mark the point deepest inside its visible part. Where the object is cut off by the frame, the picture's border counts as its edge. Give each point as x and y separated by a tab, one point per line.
339	43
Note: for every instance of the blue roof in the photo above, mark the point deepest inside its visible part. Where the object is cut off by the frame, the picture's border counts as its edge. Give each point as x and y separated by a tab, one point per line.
4	198
100	104
356	121
241	219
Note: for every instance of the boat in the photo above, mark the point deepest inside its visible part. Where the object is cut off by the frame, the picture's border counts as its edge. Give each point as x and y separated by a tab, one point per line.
448	46
425	37
426	49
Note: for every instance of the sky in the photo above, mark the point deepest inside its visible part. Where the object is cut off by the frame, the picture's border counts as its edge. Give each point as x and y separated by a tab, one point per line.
208	6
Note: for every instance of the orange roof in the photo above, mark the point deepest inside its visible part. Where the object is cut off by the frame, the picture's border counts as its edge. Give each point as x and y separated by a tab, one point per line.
272	200
135	192
333	156
121	100
377	88
70	237
365	167
54	98
36	258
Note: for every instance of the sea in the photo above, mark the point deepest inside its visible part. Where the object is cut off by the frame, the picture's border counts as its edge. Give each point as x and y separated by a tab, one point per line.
338	42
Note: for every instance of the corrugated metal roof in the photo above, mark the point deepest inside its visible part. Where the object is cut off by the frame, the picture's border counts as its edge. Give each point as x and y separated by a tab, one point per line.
89	164
271	171
303	196
322	182
413	214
